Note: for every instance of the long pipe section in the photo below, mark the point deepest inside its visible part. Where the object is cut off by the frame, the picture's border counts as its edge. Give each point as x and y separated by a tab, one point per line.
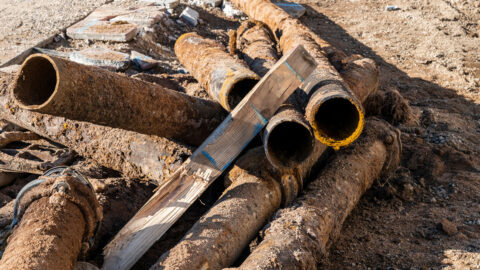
134	155
256	192
226	78
59	220
335	114
297	238
60	87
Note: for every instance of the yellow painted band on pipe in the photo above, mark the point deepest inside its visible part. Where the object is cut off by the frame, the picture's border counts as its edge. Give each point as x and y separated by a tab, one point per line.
336	144
233	77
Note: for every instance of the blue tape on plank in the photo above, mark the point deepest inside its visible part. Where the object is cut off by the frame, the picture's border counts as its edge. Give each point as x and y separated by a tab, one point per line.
294	72
260	116
210	158
258	127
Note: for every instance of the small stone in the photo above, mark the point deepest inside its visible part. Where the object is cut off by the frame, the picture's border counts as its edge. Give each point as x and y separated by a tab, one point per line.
206	3
230	10
433	200
448	227
391	8
190	16
293	9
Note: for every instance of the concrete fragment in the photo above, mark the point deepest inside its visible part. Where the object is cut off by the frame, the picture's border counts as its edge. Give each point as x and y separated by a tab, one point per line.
101	57
205	3
102	30
230	10
142	61
145	16
295	10
168	4
190	16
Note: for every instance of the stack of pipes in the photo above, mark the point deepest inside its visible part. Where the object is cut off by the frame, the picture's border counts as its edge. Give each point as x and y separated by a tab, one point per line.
153	128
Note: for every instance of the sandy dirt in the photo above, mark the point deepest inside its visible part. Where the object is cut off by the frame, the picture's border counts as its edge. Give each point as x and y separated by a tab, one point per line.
428	214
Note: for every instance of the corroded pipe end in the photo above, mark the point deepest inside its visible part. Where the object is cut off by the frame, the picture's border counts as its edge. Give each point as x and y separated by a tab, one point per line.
227	79
36	83
236	86
288	139
336	116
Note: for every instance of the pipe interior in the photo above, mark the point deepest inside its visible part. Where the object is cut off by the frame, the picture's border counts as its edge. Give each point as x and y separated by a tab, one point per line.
337	118
289	143
36	83
239	91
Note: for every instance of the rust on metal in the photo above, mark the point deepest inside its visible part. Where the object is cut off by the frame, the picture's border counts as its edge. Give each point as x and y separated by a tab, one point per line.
58	219
226	78
257	190
63	88
325	79
135	155
257	46
330	198
218	238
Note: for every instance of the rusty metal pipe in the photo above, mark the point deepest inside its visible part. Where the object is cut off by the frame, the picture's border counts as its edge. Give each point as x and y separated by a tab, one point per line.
329	94
134	155
60	87
218	237
297	238
60	218
226	78
257	190
288	138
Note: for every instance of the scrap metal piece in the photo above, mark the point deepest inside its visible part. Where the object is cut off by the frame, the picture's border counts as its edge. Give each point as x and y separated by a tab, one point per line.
226	78
60	87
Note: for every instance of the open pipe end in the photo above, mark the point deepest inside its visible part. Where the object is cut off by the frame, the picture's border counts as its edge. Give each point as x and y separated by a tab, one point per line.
36	82
288	144
337	121
237	85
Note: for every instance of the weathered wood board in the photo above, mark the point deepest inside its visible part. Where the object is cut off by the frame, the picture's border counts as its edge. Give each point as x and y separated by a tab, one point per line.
209	161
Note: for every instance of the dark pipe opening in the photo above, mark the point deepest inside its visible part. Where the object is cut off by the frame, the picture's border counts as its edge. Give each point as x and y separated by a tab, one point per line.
36	83
289	143
239	91
337	118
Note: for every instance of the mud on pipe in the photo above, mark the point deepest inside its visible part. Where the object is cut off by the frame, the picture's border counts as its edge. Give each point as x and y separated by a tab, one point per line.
134	155
58	219
257	190
226	78
299	235
288	138
334	95
60	87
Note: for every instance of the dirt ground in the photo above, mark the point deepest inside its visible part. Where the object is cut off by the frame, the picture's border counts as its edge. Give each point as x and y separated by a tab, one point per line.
425	217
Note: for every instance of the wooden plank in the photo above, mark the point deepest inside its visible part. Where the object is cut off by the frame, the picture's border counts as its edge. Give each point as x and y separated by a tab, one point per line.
209	161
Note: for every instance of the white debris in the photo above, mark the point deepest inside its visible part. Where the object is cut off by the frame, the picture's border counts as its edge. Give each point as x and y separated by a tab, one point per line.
168	4
190	16
205	3
142	61
230	10
293	9
392	8
101	57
